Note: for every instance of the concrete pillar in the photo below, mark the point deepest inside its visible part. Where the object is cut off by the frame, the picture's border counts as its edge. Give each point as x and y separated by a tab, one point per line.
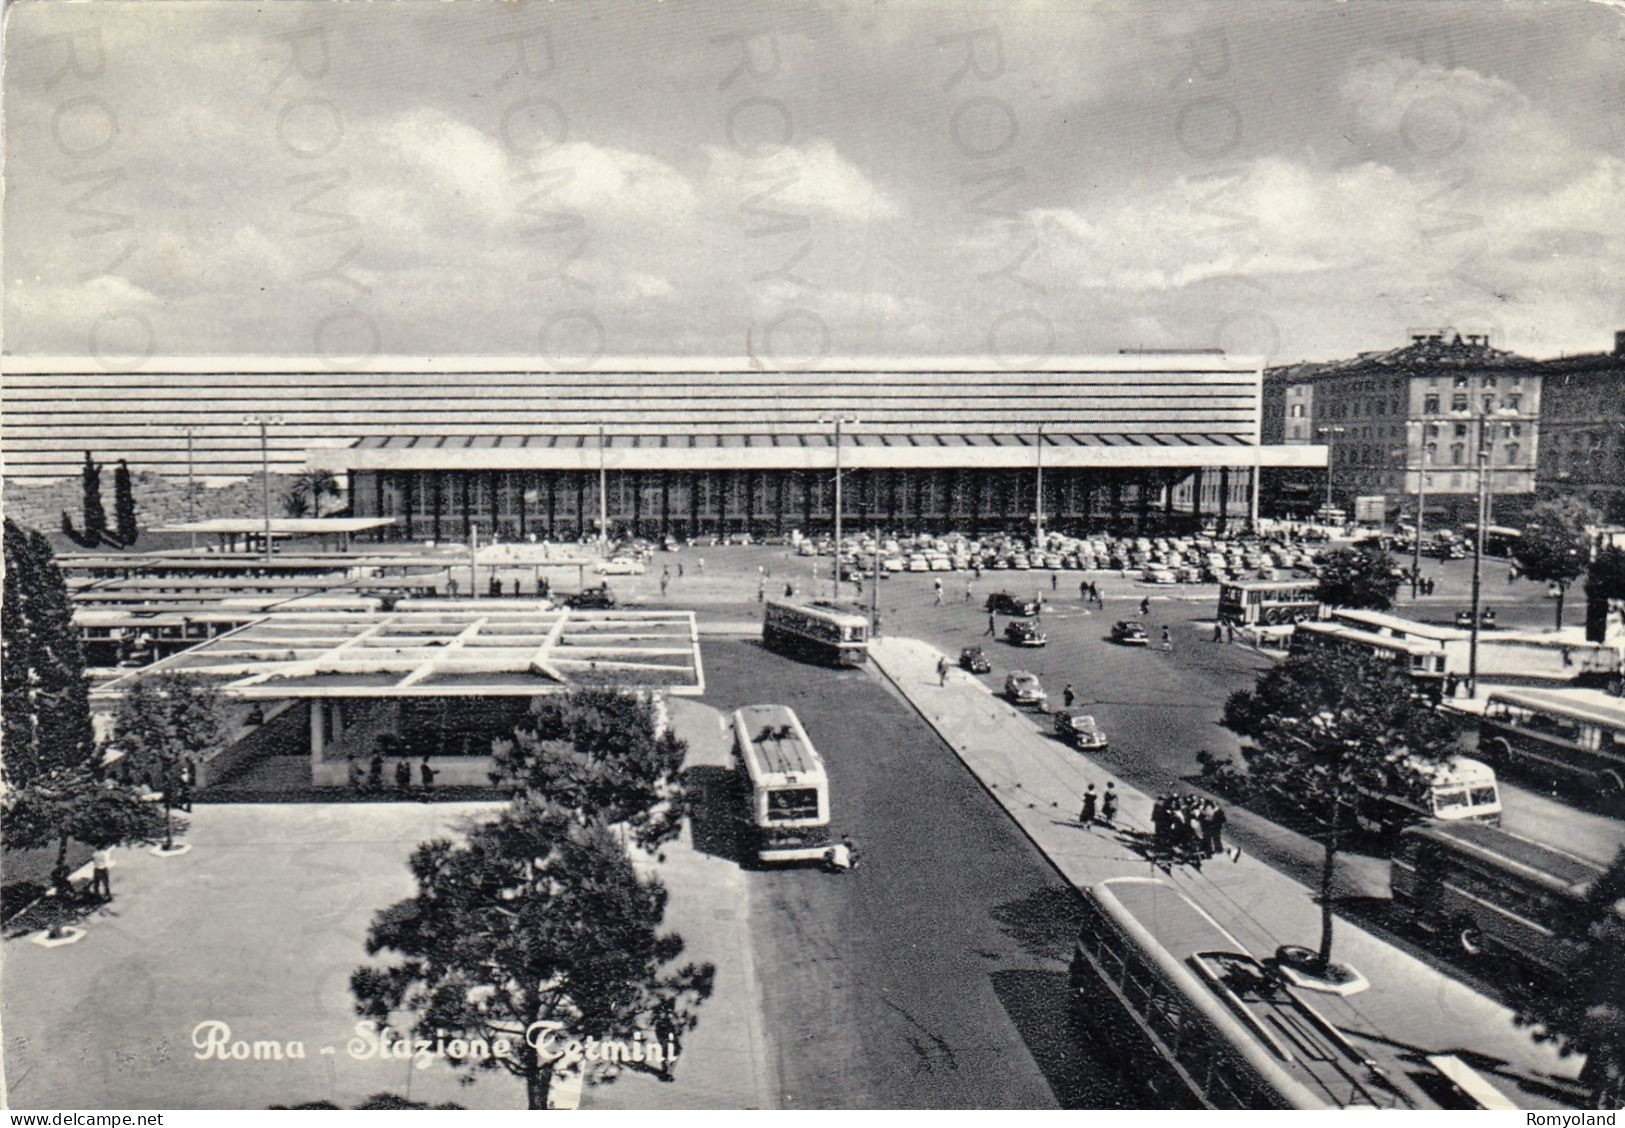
318	736
1224	498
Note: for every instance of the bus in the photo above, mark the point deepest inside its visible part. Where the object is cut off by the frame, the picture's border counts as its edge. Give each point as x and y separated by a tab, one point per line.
786	790
1490	890
1249	603
1559	736
1198	1021
818	631
1458	789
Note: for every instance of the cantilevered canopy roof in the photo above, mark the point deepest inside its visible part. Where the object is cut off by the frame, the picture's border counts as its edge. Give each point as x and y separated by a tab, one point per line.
283	526
478	650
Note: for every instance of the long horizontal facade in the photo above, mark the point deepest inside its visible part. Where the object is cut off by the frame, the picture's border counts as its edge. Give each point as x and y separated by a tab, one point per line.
695	446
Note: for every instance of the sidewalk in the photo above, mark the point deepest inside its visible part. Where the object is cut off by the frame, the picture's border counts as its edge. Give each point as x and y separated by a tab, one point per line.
1410	1010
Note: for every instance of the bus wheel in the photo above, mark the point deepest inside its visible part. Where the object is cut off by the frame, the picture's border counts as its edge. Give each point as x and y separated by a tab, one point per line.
1469	938
1611	786
1498	752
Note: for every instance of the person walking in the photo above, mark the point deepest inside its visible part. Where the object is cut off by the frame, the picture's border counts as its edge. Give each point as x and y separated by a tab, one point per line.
1229	632
789	591
1055	581
942	671
1215	831
101	873
1087	815
1068	696
1145	606
968	593
679	569
992	627
936	586
1108	804
1167	639
1083	591
1218	631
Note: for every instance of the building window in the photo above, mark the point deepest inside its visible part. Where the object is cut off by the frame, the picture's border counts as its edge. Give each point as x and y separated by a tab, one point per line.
1459	382
1431	452
1511	453
1458	402
1513	402
1297	411
1430	405
1489	381
1489	404
1517	379
1458	453
1460	430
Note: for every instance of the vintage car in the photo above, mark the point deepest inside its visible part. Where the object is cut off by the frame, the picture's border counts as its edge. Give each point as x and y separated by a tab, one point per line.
620	566
1023	688
1079	730
973	659
590	599
1003	603
1019	632
1129	633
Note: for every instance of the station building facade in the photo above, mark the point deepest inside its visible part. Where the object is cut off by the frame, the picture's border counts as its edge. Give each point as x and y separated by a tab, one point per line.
1130	441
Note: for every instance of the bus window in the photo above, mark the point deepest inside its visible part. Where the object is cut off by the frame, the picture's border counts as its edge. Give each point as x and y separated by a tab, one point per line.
1446	798
792	803
1483	796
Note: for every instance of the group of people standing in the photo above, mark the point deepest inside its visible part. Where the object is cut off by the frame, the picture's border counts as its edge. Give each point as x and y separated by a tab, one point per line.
372	778
1097	807
1188	826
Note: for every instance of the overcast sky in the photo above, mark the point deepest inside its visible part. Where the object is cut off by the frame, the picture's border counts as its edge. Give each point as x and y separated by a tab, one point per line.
795	182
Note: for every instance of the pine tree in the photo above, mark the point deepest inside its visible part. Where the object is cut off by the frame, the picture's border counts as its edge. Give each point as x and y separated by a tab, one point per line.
18	659
124	506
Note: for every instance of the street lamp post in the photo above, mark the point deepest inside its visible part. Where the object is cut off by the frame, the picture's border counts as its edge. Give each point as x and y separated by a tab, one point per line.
603	495
1329	432
840	421
264	422
1421	505
1038	494
1478	550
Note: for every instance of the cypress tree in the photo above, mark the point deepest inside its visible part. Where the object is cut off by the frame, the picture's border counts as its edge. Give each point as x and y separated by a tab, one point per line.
95	517
124	506
17	661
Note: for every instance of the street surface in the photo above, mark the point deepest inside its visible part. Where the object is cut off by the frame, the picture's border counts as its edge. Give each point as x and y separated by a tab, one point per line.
933	975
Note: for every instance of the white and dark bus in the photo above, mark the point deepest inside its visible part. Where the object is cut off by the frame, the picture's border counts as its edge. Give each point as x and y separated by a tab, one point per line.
819	632
786	790
1197	1022
1268	603
1570	737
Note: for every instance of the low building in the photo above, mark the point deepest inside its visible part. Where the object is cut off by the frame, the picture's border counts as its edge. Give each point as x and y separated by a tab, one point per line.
1582	421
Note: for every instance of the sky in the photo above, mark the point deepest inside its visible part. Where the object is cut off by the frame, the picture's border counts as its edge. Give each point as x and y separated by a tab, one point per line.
793	183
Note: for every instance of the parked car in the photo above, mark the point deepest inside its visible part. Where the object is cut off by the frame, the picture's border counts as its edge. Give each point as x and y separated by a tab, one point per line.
1129	633
620	566
1019	632
1079	730
1023	688
1003	603
590	599
1486	618
973	659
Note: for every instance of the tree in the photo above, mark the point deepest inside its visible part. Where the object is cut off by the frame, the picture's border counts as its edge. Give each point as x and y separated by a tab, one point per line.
601	755
295	503
1583	1011
73	804
1556	546
533	919
126	528
1358	577
313	485
164	724
1322	728
46	698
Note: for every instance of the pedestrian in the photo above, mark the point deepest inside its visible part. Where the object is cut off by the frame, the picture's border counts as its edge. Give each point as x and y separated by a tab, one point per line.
665	582
426	773
1214	824
978	569
1218	631
968	593
1087	815
789	591
403	775
1108	804
665	572
1145	607
1167	640
701	563
942	671
761	590
992	627
1230	632
1083	591
1159	822
1512	573
679	569
937	589
375	771
1055	581
101	874
1068	696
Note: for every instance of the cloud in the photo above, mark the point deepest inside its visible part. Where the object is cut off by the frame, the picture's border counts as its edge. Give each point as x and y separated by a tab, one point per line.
808	178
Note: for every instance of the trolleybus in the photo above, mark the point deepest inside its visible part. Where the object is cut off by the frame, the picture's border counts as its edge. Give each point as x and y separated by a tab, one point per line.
1267	602
1559	736
1198	1021
786	790
821	632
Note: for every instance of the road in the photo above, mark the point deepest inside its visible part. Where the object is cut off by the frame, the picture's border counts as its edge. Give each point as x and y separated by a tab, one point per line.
933	976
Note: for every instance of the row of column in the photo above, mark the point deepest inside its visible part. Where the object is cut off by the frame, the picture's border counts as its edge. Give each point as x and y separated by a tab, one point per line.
564	504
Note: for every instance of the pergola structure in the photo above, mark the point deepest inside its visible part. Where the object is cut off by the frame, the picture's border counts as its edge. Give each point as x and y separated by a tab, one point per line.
356	670
229	529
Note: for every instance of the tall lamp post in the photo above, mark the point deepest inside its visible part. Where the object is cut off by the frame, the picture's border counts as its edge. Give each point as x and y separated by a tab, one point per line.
1329	432
840	421
603	494
1421	504
1478	548
1038	494
264	422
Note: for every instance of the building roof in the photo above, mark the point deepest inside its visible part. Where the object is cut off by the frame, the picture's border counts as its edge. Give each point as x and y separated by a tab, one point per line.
1585	704
475	648
280	526
1427	352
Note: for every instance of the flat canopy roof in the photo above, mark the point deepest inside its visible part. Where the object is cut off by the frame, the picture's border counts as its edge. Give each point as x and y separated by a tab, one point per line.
288	526
454	649
1583	704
